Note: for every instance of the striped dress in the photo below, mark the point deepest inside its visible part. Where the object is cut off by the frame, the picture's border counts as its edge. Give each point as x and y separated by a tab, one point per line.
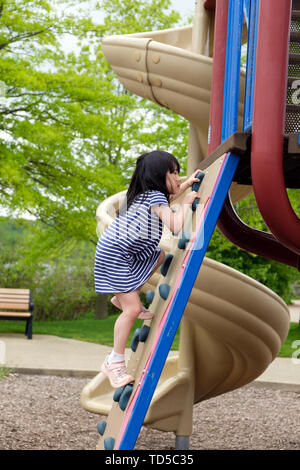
128	250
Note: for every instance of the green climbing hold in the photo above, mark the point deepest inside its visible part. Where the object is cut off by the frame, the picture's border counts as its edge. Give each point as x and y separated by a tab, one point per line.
164	290
101	427
149	296
124	398
109	443
166	264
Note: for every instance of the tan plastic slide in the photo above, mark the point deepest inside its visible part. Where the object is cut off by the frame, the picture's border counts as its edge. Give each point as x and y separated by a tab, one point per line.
233	326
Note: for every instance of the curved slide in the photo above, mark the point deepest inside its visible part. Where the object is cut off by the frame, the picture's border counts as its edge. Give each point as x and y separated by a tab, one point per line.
232	327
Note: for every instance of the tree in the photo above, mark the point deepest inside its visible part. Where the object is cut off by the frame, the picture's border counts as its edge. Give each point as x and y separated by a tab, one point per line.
70	132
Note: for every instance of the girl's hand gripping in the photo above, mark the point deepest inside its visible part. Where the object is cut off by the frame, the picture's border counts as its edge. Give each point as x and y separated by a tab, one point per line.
195	181
190	197
193	178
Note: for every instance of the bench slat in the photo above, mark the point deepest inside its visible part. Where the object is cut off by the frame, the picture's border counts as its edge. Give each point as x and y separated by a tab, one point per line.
6	298
9	294
15	314
25	298
14	291
13	305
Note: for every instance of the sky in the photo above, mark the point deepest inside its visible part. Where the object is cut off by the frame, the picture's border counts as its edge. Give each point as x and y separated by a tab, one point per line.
184	7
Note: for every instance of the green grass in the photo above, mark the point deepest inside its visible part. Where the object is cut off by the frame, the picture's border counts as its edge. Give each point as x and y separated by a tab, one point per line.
101	331
4	372
84	329
287	348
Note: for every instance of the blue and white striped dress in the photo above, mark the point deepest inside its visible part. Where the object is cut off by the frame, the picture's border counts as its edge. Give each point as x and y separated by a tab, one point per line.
128	250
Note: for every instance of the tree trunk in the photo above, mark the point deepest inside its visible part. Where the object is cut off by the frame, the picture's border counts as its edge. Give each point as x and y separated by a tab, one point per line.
101	306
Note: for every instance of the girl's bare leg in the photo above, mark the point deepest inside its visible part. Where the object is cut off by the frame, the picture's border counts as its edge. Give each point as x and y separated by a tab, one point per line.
117	304
131	306
114	365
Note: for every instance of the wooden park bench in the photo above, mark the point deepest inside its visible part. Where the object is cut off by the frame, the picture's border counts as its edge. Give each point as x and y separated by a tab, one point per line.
17	304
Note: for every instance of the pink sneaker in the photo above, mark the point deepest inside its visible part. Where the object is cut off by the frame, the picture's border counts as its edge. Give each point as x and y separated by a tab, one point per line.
146	315
116	373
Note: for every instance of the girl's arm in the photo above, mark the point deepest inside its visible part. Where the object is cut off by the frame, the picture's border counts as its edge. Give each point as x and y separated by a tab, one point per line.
185	185
175	221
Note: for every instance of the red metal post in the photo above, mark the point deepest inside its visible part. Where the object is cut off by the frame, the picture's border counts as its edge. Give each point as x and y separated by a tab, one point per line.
268	123
217	86
245	237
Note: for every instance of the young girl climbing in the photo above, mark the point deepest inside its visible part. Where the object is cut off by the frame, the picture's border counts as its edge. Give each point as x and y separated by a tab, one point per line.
128	251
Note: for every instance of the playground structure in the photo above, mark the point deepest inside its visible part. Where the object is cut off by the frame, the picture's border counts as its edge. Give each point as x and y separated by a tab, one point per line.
231	327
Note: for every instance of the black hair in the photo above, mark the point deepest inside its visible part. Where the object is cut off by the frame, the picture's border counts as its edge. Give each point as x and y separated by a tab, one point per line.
150	174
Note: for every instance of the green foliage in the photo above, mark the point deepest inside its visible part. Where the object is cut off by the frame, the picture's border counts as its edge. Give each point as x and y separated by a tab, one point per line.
4	372
71	131
64	290
276	276
125	17
61	278
71	136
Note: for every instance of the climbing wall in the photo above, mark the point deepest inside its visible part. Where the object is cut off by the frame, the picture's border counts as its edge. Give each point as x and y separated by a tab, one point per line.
152	342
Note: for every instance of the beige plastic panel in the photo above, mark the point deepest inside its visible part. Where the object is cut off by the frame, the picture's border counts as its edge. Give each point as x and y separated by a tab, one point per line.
232	329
